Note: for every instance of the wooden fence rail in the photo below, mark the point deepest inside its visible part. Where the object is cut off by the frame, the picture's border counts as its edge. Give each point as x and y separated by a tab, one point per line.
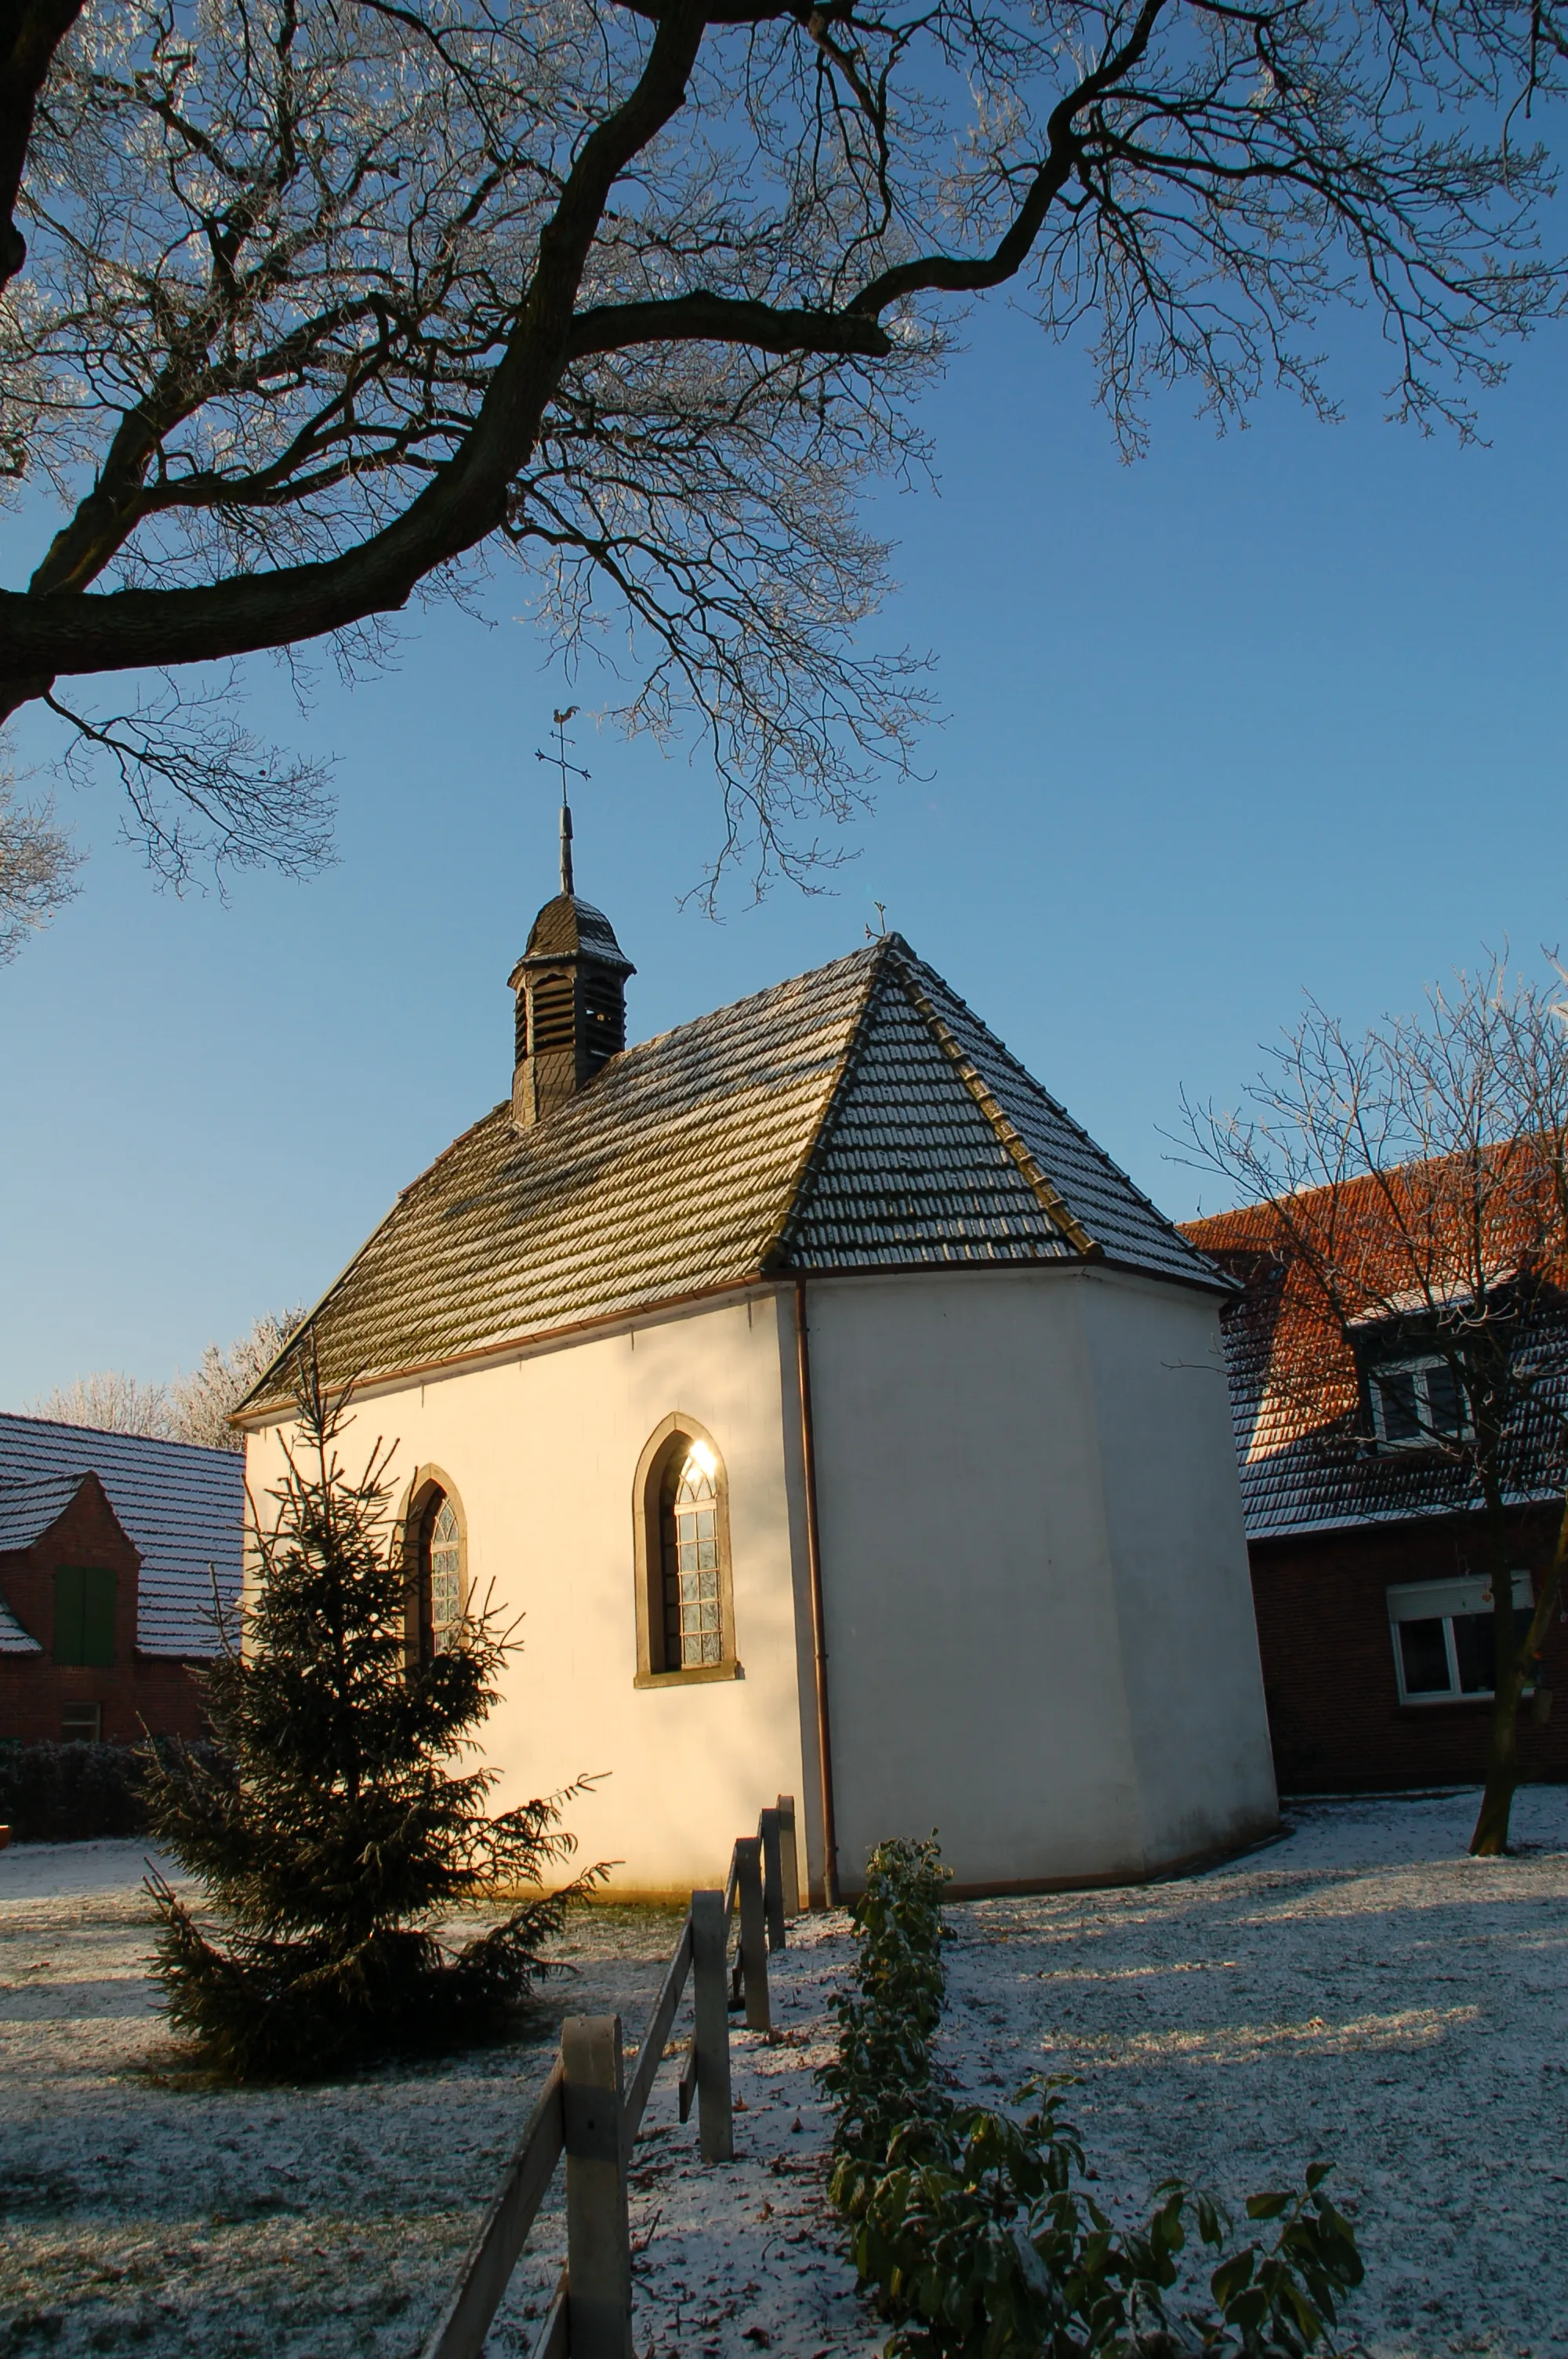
587	2113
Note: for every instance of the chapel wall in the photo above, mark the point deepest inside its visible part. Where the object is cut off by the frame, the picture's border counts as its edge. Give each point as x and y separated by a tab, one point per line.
1177	1541
542	1451
1040	1628
974	1654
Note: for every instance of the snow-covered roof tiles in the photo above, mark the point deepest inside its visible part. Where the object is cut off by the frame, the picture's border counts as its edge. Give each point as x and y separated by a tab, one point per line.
182	1507
14	1639
857	1117
1306	1457
28	1508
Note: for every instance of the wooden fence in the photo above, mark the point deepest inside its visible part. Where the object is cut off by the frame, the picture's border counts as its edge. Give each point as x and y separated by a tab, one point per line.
589	2113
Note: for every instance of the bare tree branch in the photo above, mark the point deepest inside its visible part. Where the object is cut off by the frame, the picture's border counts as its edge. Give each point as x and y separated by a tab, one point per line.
31	33
1410	1189
37	869
325	296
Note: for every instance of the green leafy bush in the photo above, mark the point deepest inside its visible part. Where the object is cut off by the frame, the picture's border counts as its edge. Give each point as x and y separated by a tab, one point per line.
881	2077
975	2230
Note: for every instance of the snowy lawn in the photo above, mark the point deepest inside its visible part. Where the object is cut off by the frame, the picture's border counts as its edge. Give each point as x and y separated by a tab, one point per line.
1359	1991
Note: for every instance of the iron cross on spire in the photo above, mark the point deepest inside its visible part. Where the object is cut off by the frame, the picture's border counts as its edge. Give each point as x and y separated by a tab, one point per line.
560	762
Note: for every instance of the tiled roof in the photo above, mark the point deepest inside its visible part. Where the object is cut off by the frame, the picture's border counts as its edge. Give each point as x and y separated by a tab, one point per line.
182	1507
27	1507
14	1639
1296	1394
566	927
857	1117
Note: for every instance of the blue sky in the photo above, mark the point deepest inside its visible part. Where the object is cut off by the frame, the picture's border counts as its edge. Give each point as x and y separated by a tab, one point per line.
1279	711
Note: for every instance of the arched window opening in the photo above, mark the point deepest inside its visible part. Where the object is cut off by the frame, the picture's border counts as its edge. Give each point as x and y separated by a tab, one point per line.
686	1607
689	1522
438	1584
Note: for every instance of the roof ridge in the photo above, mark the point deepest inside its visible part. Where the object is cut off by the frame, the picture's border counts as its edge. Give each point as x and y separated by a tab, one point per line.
1032	1081
776	1246
1046	1192
752	998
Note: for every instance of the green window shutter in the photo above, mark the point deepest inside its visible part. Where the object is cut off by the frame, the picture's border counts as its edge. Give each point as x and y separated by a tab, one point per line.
97	1616
69	1583
84	1615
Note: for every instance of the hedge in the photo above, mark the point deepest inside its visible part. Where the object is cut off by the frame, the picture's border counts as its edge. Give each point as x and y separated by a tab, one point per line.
72	1793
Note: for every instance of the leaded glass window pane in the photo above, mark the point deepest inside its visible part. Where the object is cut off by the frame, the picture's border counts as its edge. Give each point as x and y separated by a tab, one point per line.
440	1576
694	1633
446	1573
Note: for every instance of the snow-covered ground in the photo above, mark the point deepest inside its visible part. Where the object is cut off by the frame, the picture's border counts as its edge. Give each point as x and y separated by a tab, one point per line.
1361	1991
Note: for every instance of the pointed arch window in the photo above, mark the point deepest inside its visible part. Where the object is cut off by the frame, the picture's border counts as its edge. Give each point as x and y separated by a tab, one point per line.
685	1627
689	1536
437	1569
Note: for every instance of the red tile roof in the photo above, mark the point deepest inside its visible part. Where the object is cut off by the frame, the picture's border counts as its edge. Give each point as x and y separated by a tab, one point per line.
1407	1246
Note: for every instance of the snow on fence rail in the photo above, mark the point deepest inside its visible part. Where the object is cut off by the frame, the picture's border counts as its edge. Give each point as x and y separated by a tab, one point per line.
586	2112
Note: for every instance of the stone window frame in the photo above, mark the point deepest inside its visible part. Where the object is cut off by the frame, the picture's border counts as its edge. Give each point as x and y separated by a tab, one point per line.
673	1434
427	1481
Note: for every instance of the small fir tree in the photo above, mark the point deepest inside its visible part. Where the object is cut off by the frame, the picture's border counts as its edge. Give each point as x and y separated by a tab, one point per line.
335	1835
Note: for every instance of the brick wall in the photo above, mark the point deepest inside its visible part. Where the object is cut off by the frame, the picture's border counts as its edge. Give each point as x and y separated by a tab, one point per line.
134	1690
1328	1663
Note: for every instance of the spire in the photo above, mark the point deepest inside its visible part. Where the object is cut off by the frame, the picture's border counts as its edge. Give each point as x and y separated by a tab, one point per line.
570	984
558	760
567	887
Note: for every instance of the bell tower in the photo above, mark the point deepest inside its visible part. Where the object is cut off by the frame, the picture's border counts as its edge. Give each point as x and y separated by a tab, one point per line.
570	984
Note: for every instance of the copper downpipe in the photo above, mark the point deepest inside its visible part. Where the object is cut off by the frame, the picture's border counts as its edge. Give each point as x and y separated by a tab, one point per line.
818	1627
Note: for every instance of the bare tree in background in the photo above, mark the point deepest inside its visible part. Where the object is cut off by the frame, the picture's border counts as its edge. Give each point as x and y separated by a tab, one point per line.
317	306
199	1403
189	1409
37	869
1413	1185
110	1401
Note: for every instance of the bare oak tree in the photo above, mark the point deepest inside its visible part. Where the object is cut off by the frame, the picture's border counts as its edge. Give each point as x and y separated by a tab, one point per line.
314	304
1412	1187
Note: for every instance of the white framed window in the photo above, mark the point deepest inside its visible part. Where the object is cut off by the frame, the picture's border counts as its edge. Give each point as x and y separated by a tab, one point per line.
1444	1634
81	1724
1416	1402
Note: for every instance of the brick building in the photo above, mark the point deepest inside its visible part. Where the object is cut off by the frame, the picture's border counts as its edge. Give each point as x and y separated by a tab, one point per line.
1369	1553
110	1548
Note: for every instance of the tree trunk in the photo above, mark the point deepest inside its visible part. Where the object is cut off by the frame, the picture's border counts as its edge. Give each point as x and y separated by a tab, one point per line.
1490	1839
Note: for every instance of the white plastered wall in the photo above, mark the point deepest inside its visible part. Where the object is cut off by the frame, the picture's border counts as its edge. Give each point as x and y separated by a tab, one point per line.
542	1450
1189	1641
1039	1623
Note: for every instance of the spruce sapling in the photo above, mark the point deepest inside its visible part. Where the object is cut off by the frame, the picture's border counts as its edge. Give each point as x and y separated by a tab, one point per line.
335	1834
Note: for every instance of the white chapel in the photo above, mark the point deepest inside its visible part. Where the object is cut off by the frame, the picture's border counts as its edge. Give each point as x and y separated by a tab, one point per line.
840	1422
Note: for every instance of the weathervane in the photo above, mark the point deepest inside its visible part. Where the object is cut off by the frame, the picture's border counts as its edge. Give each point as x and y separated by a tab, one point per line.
560	762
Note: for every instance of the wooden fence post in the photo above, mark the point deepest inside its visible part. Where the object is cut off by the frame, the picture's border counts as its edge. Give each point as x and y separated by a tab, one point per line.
599	2234
773	1878
754	1932
789	1858
711	1999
